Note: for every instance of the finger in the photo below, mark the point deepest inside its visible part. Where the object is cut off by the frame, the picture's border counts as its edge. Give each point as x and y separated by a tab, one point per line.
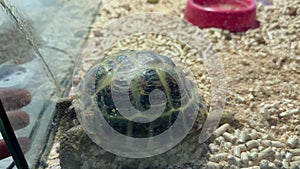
13	99
18	119
24	142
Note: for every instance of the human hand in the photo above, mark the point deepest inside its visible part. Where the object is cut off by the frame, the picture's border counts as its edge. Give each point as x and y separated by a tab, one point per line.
12	100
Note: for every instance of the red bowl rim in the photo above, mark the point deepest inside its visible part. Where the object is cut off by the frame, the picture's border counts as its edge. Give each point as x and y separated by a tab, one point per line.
251	5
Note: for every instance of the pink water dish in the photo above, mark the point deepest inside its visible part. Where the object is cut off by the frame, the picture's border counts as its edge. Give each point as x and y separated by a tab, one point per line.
232	15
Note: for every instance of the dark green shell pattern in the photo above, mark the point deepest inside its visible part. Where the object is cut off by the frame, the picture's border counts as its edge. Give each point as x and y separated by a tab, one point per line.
147	71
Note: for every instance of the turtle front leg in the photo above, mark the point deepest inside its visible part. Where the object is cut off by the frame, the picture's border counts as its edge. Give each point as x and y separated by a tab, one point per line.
70	148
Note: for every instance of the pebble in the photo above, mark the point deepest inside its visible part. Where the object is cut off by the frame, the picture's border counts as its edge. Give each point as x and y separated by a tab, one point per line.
237	151
278	155
285	164
213	148
229	137
296	158
265	153
287	113
266	143
218	157
265	164
242	147
253	156
295	165
244	158
288	156
282	153
278	163
261	148
237	133
295	152
219	131
219	140
227	145
253	135
233	160
213	165
243	137
254	150
277	144
293	141
252	144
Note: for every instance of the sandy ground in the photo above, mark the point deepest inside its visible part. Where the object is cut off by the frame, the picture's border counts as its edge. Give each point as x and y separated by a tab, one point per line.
262	68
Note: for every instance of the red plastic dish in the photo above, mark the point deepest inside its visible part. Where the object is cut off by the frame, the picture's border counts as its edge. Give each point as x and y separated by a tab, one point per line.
233	15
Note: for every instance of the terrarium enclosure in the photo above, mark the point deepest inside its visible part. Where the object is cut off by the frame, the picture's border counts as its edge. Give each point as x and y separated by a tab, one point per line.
248	82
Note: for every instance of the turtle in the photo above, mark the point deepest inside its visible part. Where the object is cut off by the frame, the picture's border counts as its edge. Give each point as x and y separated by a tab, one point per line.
120	91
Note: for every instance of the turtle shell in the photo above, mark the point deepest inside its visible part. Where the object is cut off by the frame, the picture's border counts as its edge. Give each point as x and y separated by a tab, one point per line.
139	94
